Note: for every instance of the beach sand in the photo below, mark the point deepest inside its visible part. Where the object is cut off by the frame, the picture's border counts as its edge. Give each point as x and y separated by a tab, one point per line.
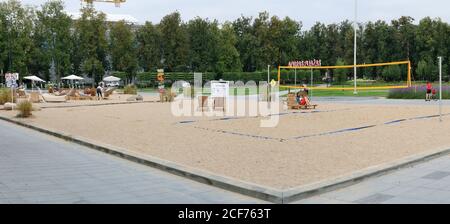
304	148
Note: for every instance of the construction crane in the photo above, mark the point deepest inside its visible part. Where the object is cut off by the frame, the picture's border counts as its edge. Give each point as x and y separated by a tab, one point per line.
116	2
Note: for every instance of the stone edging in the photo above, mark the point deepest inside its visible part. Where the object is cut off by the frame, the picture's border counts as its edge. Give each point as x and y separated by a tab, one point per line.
238	186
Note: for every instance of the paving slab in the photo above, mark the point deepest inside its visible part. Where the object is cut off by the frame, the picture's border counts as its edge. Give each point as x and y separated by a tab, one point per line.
47	170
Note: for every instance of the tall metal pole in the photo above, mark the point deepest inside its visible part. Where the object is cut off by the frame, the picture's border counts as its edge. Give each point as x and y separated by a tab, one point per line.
268	90
312	83
295	77
440	89
355	25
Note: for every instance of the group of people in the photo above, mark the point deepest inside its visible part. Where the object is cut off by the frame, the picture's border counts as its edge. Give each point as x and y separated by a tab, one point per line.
302	96
431	93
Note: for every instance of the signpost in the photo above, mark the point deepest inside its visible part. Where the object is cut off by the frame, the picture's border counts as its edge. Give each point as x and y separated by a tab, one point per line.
11	82
161	88
220	90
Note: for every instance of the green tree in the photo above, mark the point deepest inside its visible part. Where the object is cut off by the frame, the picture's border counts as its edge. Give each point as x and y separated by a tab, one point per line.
92	43
392	73
16	24
284	35
149	40
123	49
175	42
229	59
52	37
203	39
340	75
247	44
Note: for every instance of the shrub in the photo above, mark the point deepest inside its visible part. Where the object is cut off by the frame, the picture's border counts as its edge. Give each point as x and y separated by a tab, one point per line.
5	96
130	89
25	107
416	93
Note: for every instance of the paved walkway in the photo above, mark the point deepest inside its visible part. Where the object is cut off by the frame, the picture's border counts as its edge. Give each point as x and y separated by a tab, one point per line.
36	168
426	183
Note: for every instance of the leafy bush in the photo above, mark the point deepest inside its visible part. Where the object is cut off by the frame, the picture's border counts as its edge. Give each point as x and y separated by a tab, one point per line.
130	89
24	107
5	96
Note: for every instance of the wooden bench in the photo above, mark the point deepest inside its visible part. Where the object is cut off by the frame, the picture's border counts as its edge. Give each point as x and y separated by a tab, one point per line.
294	105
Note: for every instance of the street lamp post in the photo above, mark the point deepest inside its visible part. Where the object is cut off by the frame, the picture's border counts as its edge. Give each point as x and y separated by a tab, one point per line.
355	25
440	89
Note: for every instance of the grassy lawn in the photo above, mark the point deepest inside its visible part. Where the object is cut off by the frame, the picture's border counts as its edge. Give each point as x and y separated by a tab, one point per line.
317	93
206	91
349	93
361	93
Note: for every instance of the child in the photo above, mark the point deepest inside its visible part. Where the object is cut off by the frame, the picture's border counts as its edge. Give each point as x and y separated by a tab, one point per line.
433	94
429	90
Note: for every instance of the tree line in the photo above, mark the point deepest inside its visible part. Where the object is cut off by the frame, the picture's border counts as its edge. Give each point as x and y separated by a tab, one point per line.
48	43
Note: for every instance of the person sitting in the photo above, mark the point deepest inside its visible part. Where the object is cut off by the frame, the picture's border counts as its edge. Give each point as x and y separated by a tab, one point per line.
298	97
303	101
305	89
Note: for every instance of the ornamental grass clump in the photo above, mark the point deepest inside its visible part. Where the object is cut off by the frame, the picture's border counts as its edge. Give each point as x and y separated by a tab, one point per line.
25	108
5	96
130	89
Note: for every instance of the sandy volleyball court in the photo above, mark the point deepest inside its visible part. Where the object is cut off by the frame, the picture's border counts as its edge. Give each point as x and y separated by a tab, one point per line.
305	147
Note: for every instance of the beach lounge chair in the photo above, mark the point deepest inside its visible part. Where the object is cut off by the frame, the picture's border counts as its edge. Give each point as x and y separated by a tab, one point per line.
61	93
108	92
21	93
219	103
49	98
34	97
73	94
294	105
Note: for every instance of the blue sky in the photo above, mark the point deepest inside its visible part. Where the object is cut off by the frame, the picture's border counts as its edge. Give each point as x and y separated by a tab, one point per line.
326	11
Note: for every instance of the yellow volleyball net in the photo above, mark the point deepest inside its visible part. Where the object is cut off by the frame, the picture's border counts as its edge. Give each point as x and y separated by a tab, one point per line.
393	75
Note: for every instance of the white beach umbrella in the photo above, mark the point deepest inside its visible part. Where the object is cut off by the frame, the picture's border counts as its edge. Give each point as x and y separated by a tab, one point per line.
34	78
111	79
73	77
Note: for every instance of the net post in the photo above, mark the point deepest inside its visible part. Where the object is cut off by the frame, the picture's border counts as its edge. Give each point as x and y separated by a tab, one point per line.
279	75
440	87
409	74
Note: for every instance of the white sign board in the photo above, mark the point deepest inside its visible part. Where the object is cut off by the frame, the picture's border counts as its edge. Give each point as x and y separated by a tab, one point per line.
11	79
220	89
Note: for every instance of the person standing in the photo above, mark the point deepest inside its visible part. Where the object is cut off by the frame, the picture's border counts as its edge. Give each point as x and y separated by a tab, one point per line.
429	91
99	92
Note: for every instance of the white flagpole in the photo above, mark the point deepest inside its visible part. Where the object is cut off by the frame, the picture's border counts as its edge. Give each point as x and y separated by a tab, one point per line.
355	25
440	89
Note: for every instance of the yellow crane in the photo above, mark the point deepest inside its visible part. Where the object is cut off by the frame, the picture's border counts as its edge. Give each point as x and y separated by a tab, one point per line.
116	2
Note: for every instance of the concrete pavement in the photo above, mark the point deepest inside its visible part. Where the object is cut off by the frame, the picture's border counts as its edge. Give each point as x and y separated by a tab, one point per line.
36	168
426	183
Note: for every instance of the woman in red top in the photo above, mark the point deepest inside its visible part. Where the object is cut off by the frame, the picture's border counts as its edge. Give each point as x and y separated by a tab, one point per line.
429	90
